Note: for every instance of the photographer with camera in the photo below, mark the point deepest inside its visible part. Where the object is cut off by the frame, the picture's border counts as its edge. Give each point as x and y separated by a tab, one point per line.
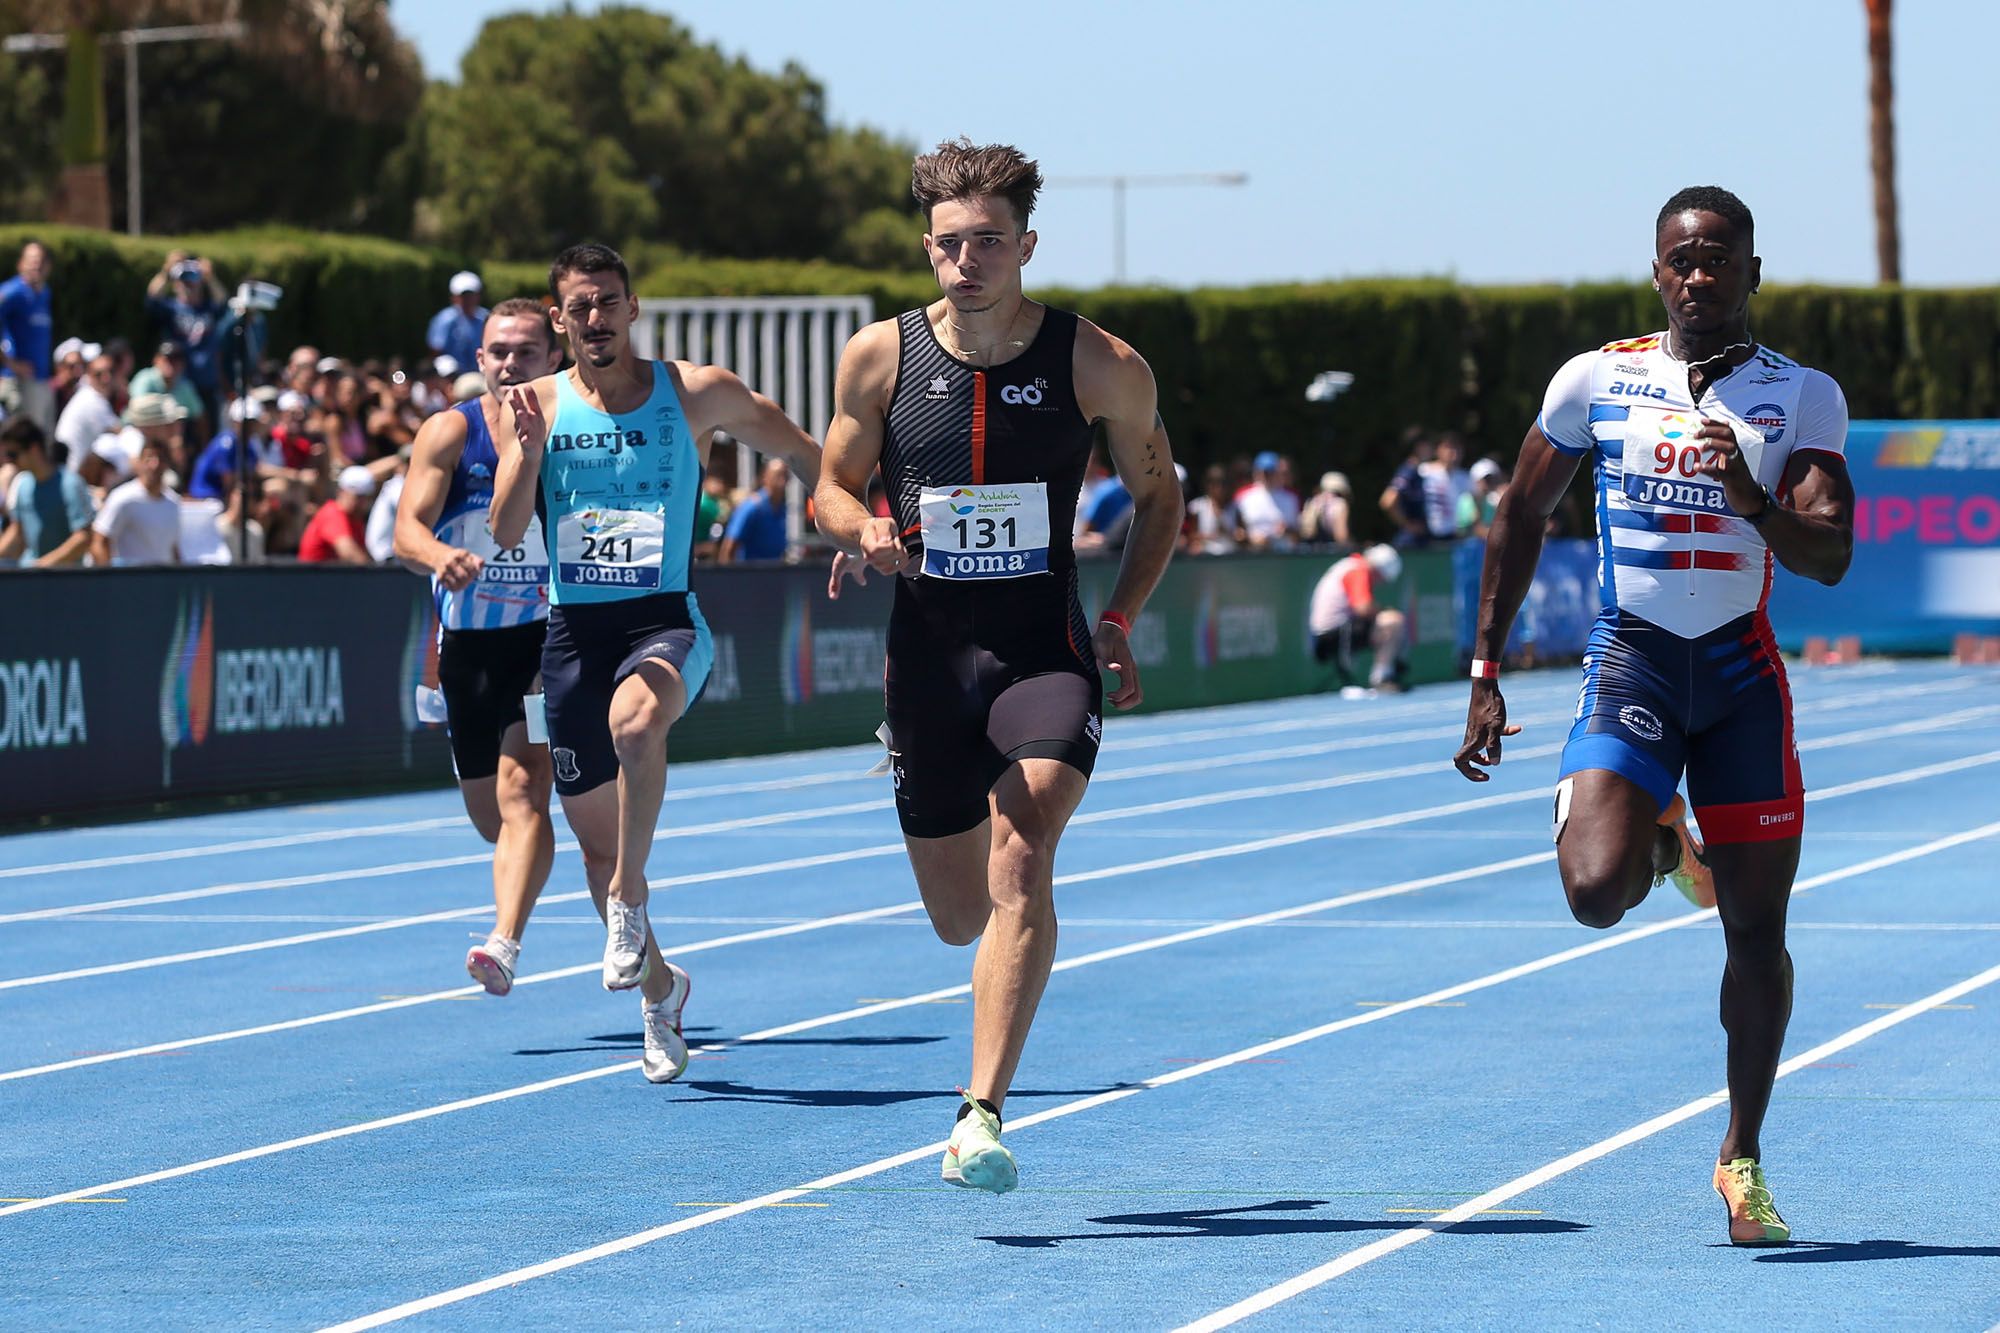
191	314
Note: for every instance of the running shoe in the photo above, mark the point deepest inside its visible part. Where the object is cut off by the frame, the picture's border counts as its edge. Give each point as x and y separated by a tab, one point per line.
625	960
1689	872
1753	1219
666	1052
973	1157
492	964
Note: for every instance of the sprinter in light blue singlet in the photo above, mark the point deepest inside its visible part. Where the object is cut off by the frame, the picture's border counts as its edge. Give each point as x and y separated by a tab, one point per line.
493	607
608	458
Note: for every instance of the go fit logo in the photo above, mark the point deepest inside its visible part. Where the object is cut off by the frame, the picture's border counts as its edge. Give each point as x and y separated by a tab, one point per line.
243	689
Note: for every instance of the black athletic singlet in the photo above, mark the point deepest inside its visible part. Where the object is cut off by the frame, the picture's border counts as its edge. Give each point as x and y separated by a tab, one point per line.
983	671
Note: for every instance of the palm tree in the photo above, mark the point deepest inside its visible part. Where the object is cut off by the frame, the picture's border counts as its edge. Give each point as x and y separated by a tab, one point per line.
1882	145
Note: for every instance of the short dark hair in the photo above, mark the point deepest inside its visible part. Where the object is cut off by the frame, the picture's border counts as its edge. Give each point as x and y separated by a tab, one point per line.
525	307
1708	199
590	257
22	432
961	169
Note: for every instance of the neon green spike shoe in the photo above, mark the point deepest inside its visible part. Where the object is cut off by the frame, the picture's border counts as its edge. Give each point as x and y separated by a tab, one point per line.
973	1157
1690	872
1753	1218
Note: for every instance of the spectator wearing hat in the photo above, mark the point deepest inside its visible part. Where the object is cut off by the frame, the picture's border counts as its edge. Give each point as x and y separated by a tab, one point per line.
69	361
1267	509
1348	612
140	523
27	334
337	533
1477	506
1324	520
92	410
455	330
49	507
151	417
190	314
168	375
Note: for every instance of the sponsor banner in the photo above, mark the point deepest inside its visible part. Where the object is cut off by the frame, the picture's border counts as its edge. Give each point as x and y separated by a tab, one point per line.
1926	542
128	688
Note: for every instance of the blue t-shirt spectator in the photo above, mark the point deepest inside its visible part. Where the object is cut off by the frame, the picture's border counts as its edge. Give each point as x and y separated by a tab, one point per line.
758	528
455	334
26	327
195	328
219	461
49	511
1105	505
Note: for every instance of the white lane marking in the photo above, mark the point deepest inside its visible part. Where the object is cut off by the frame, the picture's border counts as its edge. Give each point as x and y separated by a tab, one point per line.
784	1030
1520	1185
643	1238
853	774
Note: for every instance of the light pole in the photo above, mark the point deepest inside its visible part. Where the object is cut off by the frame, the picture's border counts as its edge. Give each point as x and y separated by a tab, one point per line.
131	39
1120	183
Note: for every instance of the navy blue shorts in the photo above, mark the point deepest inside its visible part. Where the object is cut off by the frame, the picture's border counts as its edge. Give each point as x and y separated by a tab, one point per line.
1655	705
591	648
483	674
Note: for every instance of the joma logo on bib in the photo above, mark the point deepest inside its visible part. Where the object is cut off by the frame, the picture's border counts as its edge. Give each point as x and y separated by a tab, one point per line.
955	566
1677	494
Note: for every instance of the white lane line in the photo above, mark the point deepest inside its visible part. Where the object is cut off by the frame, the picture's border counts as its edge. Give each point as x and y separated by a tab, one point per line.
856	773
643	1238
1513	1189
784	1030
1238	849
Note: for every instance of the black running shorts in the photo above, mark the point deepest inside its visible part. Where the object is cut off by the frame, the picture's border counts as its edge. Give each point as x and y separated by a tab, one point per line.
483	673
591	649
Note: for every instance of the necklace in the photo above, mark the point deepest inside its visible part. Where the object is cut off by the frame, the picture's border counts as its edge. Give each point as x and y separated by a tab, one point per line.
1748	344
959	350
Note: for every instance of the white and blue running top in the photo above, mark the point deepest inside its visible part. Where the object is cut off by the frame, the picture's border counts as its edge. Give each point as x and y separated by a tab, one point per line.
1670	549
512	588
618	496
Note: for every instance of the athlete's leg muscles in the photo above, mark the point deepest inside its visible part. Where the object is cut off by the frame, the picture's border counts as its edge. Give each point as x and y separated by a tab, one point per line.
644	708
593	820
1032	803
526	845
1753	889
951	876
481	806
1606	845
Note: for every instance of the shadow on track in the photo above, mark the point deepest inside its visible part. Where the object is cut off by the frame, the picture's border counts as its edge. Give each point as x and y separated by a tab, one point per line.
1185	1224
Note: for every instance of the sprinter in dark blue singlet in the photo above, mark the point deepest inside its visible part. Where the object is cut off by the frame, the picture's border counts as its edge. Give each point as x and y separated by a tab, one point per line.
980	411
608	458
493	607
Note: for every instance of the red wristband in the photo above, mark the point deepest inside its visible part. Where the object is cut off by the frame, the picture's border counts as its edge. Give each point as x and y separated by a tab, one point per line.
1485	670
1113	618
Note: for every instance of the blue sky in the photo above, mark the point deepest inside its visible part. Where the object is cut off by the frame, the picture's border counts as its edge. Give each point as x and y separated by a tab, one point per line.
1492	142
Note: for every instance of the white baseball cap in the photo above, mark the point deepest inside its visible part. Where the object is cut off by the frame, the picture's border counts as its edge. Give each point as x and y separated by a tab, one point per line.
356	480
465	280
291	400
67	348
444	366
1485	468
246	409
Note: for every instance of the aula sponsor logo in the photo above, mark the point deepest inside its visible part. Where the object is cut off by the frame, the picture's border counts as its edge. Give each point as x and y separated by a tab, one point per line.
41	704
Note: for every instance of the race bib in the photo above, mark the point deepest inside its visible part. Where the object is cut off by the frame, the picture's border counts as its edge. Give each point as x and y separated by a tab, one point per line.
985	532
610	547
1663	458
522	563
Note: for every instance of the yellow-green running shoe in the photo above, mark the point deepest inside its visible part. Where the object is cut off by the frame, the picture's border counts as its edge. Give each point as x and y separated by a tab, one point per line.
1753	1218
973	1157
1690	872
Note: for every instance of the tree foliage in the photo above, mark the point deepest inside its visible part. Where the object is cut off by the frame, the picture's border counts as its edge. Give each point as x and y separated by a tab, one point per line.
620	126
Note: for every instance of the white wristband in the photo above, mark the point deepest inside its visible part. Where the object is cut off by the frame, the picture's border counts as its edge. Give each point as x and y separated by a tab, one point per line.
1485	670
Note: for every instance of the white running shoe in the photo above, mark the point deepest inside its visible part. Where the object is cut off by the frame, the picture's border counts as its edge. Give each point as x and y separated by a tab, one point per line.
666	1052
492	964
625	960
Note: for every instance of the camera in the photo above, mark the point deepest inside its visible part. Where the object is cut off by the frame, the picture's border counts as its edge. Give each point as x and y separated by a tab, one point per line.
1328	385
256	296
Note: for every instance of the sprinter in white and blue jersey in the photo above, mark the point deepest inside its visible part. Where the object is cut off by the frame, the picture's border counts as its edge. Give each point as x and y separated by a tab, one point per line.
493	606
1715	458
608	457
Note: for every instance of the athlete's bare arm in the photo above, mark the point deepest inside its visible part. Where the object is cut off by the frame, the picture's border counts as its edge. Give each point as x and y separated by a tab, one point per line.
1814	537
433	457
1114	386
1513	549
715	399
524	429
861	396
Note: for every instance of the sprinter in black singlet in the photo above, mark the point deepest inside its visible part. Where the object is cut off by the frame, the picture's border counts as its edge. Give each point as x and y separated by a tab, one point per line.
980	411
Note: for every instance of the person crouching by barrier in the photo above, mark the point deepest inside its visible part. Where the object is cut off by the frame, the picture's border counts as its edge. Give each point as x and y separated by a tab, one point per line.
1347	612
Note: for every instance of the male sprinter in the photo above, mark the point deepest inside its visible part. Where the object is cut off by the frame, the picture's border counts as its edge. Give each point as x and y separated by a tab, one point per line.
1714	456
493	608
980	410
608	456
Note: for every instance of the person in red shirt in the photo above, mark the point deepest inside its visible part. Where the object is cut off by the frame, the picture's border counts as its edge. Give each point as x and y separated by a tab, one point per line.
336	531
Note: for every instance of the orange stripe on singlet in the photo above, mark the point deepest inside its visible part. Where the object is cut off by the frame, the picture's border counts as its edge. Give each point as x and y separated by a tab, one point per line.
978	427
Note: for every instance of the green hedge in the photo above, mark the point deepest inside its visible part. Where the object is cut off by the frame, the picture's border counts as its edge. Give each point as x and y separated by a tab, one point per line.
1232	364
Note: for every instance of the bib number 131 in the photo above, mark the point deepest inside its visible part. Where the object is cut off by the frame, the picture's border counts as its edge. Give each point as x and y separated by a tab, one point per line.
985	531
